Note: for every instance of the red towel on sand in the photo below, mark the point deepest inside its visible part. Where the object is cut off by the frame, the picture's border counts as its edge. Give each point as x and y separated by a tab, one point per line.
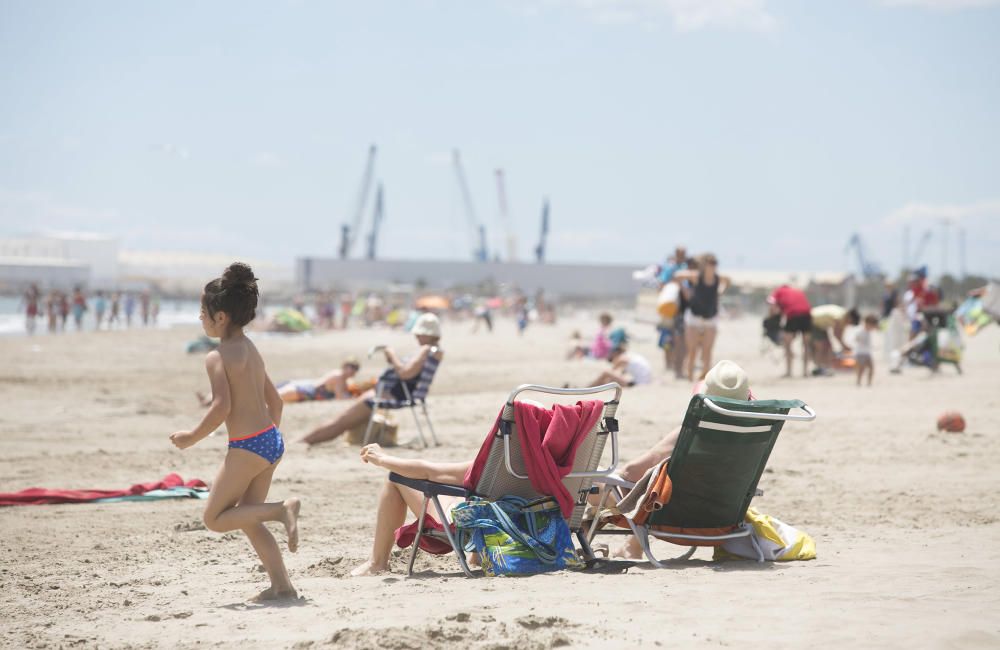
549	440
38	496
406	534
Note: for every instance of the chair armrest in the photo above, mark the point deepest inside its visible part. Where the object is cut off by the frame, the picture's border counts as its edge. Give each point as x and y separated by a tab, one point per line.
615	480
429	488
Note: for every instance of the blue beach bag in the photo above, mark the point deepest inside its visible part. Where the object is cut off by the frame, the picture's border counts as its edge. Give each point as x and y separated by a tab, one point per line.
514	536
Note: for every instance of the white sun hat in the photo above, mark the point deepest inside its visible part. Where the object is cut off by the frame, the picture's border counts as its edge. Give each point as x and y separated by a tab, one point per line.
427	325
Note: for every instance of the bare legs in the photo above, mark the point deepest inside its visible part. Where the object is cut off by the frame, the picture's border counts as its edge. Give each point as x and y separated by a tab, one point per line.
356	415
393	502
787	338
237	502
699	339
609	376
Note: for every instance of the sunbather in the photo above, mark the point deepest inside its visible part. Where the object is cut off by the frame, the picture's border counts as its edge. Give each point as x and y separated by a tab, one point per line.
396	499
427	329
725	379
335	384
627	369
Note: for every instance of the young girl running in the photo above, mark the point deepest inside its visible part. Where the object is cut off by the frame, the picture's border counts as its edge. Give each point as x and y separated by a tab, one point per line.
244	397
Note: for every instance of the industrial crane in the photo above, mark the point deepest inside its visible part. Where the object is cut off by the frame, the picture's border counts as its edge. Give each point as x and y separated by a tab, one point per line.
349	233
505	218
869	269
377	217
540	249
479	252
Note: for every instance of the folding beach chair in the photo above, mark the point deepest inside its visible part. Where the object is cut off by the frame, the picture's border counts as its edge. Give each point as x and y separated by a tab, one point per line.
384	400
504	473
719	457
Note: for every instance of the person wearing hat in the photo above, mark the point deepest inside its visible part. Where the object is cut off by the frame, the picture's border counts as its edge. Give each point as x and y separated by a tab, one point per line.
427	329
725	379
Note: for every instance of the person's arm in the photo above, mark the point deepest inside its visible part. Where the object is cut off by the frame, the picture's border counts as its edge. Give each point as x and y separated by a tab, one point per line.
635	468
273	400
724	283
687	274
218	410
410	369
838	333
450	473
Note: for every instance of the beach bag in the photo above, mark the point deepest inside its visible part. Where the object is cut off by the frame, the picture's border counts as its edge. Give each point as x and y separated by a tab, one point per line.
385	431
668	300
778	541
514	536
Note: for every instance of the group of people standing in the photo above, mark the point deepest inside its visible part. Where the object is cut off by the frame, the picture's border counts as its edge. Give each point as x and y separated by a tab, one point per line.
688	337
116	309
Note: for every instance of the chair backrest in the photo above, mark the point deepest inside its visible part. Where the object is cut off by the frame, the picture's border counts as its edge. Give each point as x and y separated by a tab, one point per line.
424	379
719	458
496	479
415	389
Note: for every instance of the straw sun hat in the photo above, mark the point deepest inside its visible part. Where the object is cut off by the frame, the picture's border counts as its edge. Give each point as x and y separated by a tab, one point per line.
726	379
427	325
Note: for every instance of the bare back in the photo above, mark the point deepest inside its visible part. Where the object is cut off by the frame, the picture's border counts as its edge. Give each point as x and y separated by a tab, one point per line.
248	413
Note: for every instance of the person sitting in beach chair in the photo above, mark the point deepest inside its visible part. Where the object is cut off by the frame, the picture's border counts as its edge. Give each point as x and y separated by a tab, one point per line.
706	469
336	384
399	385
530	452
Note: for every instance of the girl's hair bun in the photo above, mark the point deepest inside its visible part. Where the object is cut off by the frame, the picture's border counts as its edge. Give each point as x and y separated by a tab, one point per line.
238	273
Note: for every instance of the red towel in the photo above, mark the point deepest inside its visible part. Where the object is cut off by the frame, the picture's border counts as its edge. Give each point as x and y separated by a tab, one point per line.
38	496
549	440
406	534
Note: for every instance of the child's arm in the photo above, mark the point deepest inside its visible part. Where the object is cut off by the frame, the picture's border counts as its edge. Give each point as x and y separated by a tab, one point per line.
273	400
451	473
217	410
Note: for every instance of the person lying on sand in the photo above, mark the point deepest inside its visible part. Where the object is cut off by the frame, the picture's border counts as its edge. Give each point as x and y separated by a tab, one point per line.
427	329
335	384
245	399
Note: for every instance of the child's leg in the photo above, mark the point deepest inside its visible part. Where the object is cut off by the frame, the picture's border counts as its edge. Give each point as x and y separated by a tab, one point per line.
263	541
871	371
393	502
222	514
861	371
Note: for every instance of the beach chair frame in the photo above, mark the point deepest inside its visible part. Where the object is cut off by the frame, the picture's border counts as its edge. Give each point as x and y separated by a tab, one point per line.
500	478
760	420
409	402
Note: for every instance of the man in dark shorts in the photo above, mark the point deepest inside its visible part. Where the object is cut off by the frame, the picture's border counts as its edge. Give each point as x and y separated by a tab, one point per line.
795	309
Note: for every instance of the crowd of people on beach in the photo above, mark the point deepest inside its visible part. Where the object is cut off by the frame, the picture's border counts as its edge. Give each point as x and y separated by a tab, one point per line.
111	310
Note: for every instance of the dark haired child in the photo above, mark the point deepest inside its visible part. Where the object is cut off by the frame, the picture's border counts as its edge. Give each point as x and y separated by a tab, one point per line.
244	397
863	348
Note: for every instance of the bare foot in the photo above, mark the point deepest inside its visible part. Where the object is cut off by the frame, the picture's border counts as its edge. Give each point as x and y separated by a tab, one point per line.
291	522
630	550
369	568
274	593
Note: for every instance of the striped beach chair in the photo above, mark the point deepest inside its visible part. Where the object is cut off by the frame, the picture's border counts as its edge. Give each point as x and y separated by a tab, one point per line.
393	393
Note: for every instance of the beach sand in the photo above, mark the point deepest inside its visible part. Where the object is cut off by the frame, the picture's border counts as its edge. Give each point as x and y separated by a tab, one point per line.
906	519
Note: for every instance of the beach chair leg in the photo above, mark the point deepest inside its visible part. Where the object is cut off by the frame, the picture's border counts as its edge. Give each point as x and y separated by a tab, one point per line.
459	551
430	425
368	430
597	519
642	534
420	430
416	540
588	552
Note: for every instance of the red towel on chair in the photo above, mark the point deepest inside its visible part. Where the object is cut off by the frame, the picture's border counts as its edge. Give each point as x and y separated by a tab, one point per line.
37	496
549	440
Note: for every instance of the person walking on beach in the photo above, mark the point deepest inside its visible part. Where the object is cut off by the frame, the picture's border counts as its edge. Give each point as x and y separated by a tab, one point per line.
31	299
52	310
79	306
144	307
63	302
100	306
701	322
794	307
245	399
129	308
113	317
678	349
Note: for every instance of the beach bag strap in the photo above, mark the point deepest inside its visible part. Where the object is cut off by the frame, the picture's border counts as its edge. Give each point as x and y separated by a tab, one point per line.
545	553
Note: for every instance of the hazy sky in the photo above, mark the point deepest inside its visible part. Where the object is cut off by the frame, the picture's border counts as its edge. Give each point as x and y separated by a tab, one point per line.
766	131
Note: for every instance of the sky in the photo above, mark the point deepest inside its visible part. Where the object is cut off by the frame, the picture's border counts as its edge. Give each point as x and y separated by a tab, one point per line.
764	131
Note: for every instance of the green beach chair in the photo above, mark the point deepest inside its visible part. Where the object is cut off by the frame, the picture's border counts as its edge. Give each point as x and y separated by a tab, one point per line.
714	469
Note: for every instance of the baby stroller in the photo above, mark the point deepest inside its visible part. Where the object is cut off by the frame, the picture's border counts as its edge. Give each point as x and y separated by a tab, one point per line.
938	342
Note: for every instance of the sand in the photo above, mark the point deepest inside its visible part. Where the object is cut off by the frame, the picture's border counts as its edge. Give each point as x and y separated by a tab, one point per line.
906	519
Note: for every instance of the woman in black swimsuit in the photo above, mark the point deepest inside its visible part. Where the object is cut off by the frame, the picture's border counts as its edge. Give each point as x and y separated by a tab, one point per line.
702	295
